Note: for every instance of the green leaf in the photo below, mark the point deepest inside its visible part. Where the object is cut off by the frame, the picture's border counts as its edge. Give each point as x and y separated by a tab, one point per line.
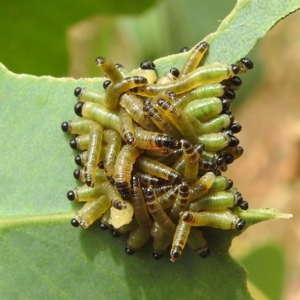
42	256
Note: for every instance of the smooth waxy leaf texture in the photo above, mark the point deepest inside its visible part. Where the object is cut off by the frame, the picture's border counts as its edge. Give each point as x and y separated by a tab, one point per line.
42	256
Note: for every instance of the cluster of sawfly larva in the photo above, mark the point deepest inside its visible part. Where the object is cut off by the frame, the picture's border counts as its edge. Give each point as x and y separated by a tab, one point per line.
153	153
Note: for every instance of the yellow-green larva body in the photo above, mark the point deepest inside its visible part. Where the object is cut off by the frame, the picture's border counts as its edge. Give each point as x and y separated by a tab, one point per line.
93	152
91	211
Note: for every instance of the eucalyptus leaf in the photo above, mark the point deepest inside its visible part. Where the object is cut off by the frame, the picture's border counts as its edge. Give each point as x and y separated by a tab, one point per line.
42	256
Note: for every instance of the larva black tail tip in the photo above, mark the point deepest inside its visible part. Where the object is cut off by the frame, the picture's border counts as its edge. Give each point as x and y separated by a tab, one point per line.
115	233
248	63
244	205
65	126
74	223
129	251
78	160
205	254
76	174
78	108
184	49
240	224
106	83
77	91
175	255
71	195
73	144
103	226
89	182
147	65
100	60
235	69
157	256
225	104
203	45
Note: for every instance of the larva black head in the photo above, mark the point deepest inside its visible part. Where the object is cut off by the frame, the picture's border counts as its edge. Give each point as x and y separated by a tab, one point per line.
220	161
236	81
115	233
240	225
119	66
235	69
235	127
229	159
106	83
247	63
244	205
234	141
65	126
71	195
205	254
88	180
147	65
217	172
74	223
225	104
157	256
103	226
129	251
184	49
230	94
101	164
76	174
77	91
174	72
73	144
78	160
78	108
229	184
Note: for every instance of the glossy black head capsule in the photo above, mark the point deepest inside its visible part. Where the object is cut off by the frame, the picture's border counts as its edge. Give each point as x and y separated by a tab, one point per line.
76	174
247	62
78	108
204	254
71	195
184	49
235	69
77	91
234	141
174	72
157	256
106	83
235	127
129	251
240	224
147	65
74	223
65	126
78	160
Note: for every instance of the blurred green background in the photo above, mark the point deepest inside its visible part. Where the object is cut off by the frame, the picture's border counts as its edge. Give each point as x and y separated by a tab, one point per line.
60	38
